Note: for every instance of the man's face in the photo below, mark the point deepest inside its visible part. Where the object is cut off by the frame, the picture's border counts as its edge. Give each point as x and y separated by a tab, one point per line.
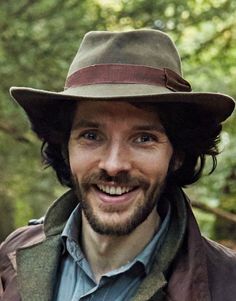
119	156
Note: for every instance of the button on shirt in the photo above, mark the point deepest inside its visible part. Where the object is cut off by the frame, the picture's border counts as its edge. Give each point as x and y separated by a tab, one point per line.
75	280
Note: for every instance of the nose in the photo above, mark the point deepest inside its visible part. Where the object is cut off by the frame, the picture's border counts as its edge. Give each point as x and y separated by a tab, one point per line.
115	159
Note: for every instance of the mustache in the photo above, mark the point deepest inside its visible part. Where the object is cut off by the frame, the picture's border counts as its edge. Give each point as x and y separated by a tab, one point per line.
122	178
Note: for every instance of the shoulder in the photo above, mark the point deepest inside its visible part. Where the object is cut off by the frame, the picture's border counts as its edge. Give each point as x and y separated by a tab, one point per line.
8	248
22	237
217	253
221	264
220	259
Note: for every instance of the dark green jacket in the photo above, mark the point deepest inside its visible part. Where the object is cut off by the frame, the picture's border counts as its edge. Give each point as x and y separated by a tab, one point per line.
187	268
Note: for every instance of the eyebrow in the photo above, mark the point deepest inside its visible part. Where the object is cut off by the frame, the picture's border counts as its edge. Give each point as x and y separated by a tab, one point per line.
83	123
158	128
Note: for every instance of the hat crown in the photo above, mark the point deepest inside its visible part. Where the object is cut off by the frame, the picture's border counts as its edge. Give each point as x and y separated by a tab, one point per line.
138	65
151	48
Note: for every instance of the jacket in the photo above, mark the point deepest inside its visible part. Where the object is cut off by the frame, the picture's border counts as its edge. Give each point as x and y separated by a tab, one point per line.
187	268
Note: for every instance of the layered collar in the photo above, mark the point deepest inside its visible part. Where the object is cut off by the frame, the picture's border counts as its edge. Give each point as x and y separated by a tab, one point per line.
37	262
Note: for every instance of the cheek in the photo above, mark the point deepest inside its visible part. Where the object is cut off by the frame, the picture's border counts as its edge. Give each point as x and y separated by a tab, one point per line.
156	168
74	159
80	161
157	165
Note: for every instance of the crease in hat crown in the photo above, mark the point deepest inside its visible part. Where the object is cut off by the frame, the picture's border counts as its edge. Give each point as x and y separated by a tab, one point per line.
140	47
125	63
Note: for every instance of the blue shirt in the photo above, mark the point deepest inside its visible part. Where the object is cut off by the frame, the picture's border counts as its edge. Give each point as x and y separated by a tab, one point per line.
75	280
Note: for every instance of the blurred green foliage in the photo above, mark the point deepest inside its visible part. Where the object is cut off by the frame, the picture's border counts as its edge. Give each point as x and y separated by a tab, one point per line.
38	42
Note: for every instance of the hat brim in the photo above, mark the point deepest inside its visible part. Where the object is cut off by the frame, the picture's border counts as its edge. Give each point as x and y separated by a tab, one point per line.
35	100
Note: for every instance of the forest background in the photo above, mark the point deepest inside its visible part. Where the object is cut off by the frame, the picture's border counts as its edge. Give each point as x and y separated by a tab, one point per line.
38	41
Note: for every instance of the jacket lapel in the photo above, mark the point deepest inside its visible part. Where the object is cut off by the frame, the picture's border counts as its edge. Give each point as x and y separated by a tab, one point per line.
37	262
154	285
188	280
36	269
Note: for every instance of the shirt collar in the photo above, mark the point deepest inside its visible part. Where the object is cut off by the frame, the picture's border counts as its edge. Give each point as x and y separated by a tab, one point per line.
146	257
72	228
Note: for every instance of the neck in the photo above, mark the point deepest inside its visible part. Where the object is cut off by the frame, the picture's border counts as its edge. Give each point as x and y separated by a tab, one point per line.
106	253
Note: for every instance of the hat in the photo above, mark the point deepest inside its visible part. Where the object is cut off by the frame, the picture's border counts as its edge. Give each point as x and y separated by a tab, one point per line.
138	65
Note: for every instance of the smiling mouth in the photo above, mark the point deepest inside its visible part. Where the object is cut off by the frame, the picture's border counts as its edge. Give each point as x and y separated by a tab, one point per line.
115	190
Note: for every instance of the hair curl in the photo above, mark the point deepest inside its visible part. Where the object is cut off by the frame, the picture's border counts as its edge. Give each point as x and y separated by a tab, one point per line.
192	131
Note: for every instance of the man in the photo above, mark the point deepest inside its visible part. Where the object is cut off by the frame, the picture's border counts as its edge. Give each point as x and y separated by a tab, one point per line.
125	135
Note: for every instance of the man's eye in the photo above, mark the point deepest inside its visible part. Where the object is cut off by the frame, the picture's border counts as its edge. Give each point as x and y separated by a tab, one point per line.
145	138
90	136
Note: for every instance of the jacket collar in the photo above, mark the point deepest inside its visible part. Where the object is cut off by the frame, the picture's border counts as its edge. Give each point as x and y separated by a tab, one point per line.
155	283
180	269
189	277
37	262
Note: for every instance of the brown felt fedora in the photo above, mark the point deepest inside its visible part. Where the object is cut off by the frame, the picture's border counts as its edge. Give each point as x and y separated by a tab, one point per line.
138	65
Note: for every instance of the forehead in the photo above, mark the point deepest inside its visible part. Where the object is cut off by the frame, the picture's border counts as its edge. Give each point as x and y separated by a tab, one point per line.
116	111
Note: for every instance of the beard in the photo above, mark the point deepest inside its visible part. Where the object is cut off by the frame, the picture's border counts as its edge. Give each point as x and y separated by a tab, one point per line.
142	209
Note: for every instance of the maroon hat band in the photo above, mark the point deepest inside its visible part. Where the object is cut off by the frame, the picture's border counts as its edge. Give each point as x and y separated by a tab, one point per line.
127	74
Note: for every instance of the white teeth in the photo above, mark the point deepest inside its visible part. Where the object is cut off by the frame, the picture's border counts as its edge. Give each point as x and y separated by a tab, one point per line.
112	190
118	190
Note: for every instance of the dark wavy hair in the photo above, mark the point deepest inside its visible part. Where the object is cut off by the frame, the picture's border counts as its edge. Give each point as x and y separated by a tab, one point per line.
194	134
192	131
